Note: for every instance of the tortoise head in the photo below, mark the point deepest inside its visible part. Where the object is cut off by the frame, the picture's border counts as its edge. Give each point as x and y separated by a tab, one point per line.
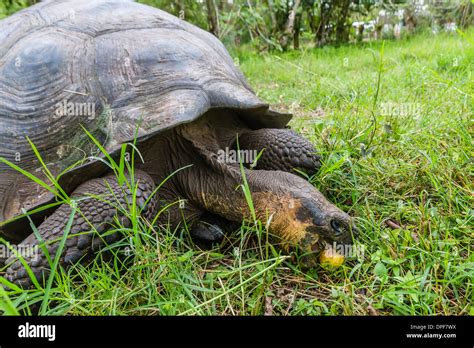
310	223
325	226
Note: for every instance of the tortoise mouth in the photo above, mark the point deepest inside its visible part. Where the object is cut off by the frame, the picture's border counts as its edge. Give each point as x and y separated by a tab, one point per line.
318	247
330	230
322	254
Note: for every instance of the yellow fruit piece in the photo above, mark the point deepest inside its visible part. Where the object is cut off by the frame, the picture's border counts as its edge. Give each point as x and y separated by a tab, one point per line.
331	257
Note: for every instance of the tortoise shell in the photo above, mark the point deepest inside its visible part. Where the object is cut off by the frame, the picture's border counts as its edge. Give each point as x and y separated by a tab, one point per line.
115	68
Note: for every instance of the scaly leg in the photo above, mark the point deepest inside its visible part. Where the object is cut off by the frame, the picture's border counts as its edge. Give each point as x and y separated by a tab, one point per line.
283	150
93	212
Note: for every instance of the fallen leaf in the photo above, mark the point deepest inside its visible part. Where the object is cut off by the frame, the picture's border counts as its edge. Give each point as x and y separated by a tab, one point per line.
392	224
372	310
268	306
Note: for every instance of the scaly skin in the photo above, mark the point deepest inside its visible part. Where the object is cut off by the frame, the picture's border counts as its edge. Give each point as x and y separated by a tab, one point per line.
82	242
283	150
301	216
298	215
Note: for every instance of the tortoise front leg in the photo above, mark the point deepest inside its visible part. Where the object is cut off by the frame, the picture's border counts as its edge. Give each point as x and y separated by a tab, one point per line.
283	150
211	228
99	201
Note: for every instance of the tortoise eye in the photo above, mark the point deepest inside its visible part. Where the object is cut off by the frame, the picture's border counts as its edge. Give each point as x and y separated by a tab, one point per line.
337	227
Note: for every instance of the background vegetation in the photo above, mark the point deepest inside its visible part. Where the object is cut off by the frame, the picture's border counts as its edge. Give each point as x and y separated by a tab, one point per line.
393	121
278	24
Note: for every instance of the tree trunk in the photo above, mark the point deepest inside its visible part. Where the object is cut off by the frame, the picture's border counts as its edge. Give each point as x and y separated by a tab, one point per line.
273	19
342	34
410	20
311	23
212	17
289	26
324	13
465	14
360	33
296	33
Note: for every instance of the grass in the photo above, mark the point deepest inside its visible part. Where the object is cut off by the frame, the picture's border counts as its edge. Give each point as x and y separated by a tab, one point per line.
393	123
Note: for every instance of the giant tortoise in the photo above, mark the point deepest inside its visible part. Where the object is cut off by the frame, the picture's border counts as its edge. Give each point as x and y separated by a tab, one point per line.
121	73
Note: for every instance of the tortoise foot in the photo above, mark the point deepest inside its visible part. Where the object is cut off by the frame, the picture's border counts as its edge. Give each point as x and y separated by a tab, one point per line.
99	203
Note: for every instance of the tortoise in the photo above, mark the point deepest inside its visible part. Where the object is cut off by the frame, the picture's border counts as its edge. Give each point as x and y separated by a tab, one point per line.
121	73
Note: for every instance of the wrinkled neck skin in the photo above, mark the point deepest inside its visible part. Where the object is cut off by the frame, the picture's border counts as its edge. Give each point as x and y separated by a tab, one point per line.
294	210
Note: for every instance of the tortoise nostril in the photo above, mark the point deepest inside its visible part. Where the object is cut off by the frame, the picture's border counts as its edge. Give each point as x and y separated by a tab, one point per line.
337	227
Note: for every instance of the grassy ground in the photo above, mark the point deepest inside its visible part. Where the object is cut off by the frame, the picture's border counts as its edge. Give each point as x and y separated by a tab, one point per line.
394	125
